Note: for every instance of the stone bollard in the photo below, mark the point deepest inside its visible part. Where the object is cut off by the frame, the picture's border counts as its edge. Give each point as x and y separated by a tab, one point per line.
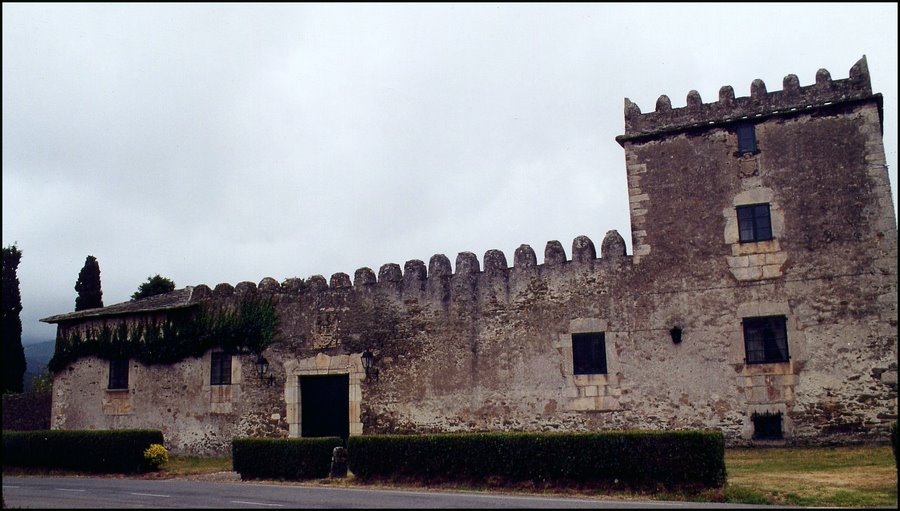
338	462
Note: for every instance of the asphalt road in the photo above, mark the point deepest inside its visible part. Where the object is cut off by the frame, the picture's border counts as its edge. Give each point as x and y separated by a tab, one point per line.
96	492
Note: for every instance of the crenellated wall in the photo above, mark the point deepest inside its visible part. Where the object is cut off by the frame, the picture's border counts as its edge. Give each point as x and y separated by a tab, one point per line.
415	278
760	103
485	345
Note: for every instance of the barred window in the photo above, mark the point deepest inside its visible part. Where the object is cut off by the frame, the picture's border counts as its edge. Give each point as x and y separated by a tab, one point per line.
754	222
118	374
767	426
765	339
589	353
220	370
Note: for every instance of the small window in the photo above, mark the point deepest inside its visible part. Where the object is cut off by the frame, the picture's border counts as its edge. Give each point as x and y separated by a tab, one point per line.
746	135
675	332
220	373
118	374
767	426
765	339
589	353
754	223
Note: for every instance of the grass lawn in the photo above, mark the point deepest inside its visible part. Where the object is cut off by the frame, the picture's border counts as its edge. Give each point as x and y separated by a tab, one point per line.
864	476
192	465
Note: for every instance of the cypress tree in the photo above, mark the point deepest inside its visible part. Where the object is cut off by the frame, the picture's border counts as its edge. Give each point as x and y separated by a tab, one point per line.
88	286
13	352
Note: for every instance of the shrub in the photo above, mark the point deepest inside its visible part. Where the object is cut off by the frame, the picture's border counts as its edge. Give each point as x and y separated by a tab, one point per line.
109	451
632	458
156	455
185	333
283	458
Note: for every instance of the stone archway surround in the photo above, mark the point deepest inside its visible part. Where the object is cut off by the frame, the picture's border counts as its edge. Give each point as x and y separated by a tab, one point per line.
323	364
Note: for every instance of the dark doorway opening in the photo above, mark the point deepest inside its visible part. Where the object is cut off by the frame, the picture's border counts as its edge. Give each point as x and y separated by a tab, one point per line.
325	406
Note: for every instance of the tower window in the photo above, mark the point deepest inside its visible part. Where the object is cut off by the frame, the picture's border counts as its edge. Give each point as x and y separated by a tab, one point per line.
746	135
754	223
589	353
765	339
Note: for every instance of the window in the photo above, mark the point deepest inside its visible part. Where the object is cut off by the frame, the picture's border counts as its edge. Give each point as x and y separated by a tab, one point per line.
767	426
676	332
765	339
220	373
118	374
746	135
754	223
589	353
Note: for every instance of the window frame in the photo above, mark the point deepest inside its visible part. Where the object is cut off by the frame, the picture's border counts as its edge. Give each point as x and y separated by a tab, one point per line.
746	139
750	221
766	340
589	353
118	374
220	368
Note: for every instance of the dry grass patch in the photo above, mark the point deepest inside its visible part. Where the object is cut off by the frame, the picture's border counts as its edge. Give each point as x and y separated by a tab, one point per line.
194	465
824	476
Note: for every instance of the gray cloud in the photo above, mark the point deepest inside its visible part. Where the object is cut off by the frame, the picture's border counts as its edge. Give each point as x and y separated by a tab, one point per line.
227	142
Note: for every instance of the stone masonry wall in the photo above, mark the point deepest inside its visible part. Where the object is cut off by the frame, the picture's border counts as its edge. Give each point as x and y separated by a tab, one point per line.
472	348
195	417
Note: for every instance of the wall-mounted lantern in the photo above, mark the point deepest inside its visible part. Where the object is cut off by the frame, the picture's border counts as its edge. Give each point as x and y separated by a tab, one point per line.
262	369
368	360
676	332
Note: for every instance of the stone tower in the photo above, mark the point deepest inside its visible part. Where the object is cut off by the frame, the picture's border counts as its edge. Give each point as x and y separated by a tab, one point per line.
780	202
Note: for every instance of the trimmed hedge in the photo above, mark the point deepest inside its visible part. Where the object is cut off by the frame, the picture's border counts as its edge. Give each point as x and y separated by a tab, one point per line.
283	458
111	451
631	458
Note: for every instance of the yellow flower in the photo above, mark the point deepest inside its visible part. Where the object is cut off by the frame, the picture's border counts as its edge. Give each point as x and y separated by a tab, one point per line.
156	455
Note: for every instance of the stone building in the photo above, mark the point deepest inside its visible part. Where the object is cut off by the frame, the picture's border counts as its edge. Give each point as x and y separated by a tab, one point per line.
760	300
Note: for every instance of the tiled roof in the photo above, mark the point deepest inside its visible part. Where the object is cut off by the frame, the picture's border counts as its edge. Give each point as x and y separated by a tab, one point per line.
177	299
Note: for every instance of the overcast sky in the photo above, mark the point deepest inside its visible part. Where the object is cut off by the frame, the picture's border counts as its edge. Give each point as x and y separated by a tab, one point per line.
215	143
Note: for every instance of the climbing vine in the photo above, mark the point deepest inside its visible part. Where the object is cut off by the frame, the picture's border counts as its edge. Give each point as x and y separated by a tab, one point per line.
248	328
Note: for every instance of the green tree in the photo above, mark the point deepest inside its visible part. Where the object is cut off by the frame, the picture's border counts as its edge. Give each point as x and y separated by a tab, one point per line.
13	352
42	383
155	285
88	286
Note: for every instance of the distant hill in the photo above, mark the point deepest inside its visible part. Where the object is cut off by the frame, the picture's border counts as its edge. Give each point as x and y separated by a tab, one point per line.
36	357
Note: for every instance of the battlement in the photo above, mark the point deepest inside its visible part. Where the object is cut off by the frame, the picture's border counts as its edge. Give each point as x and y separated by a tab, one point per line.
760	103
416	277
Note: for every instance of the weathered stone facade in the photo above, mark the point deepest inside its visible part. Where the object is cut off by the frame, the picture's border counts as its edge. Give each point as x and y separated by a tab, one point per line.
491	348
